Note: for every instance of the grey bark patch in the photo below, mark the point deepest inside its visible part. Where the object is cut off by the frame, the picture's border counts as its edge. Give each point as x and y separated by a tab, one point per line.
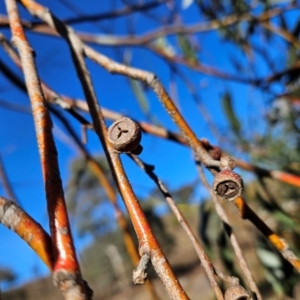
9	215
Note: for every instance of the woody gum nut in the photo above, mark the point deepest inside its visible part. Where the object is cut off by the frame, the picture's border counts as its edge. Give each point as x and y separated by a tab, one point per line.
236	292
228	185
125	136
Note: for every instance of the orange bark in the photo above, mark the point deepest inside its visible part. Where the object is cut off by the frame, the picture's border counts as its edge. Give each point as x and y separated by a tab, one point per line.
13	217
279	243
63	249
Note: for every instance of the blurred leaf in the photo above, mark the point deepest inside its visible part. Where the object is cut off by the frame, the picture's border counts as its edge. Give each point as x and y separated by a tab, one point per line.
292	56
276	2
163	45
140	95
239	6
269	258
226	254
138	90
186	3
230	114
205	213
187	49
284	219
184	193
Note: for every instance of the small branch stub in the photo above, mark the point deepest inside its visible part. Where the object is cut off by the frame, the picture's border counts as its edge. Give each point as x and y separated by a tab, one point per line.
228	185
236	292
125	136
139	275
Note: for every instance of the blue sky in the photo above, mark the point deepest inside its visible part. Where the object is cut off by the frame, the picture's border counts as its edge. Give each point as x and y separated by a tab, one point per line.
174	163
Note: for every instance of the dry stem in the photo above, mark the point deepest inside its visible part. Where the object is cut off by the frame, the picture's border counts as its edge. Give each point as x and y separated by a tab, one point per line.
204	259
234	242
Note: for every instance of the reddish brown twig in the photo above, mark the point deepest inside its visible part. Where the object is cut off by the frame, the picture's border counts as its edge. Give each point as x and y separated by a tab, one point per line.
286	35
153	82
96	169
66	268
204	259
14	218
69	104
279	243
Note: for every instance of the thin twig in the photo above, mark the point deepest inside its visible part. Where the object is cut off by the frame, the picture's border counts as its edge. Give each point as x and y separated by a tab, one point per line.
14	218
152	81
6	183
204	259
97	170
15	107
234	242
286	35
145	40
113	40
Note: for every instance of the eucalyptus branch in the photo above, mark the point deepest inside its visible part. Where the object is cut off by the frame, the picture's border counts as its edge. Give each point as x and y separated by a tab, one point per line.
66	268
204	259
70	105
148	243
146	39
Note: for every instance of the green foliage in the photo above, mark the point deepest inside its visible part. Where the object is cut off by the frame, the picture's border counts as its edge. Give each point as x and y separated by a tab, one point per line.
187	49
230	114
140	95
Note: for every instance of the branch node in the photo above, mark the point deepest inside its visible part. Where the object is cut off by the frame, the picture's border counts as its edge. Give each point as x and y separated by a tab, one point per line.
72	285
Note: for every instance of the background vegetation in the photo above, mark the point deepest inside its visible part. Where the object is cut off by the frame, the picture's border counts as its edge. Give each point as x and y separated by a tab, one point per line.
232	70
